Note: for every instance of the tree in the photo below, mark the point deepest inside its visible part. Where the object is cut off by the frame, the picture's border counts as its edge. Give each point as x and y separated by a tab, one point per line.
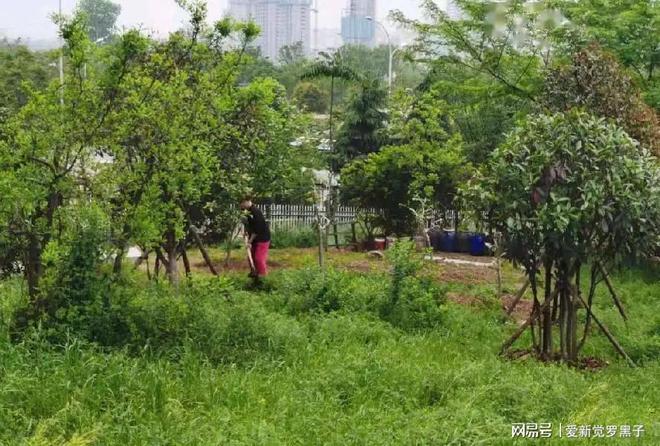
331	66
425	161
482	110
627	28
594	80
361	132
101	17
506	41
569	192
46	153
292	54
310	97
22	70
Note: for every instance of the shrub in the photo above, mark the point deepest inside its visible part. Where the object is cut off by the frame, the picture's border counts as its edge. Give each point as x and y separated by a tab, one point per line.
414	301
294	238
408	300
567	191
312	291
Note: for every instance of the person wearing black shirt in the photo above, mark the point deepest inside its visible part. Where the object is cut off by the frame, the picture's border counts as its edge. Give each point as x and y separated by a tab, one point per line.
258	234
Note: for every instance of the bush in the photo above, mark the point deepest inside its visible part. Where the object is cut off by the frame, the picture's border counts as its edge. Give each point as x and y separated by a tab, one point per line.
414	301
312	291
74	294
408	300
294	238
223	324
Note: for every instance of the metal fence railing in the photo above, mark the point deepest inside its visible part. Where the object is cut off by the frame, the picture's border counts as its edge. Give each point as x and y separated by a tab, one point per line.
296	216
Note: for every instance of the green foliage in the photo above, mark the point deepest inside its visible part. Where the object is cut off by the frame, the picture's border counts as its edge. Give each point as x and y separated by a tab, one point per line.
501	40
310	97
424	161
482	110
568	190
413	301
627	28
101	17
158	131
348	368
22	71
574	188
294	238
364	121
595	81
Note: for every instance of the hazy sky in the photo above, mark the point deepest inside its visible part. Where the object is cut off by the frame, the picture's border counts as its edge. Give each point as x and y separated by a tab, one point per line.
30	18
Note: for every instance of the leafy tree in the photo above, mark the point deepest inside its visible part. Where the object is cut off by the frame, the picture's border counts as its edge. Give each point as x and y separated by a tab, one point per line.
310	97
333	67
101	16
46	154
21	71
506	41
569	192
364	120
595	80
482	110
628	28
425	161
292	54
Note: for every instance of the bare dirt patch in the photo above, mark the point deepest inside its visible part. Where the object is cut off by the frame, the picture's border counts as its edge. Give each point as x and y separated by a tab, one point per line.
523	309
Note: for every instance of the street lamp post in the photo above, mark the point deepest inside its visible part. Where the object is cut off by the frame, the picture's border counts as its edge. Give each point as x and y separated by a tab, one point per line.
391	53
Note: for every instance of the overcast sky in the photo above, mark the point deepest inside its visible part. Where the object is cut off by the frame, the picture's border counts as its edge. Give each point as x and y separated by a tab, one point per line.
30	18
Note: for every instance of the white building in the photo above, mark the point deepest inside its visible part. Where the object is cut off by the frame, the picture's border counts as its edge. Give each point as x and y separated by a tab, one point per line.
282	23
358	23
453	10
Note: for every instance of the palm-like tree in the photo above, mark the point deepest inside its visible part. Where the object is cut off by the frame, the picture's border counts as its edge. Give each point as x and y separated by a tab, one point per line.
335	67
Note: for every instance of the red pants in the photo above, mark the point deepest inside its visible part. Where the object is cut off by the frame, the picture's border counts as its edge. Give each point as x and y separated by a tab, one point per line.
260	257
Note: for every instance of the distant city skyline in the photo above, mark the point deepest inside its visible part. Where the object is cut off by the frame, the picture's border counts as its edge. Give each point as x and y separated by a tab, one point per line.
30	19
282	23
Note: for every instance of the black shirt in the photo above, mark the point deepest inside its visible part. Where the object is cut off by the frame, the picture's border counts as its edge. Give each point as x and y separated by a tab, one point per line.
256	225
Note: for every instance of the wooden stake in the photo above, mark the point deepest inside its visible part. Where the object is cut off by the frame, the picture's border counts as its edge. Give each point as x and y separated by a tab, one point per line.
607	333
205	254
610	287
524	326
519	296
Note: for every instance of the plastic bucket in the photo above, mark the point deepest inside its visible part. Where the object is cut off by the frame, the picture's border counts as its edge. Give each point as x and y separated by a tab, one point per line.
463	242
379	244
448	241
477	245
435	237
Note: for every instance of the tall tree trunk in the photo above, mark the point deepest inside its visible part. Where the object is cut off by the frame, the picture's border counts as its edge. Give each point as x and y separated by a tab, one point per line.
119	260
33	267
186	262
547	313
172	267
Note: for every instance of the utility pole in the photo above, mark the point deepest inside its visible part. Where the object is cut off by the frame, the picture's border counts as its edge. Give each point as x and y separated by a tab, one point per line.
61	59
391	52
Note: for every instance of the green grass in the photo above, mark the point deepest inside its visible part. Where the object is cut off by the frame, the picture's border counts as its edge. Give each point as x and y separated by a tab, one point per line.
278	368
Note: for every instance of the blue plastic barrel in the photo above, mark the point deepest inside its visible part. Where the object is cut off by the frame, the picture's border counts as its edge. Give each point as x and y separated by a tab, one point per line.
435	237
448	241
477	245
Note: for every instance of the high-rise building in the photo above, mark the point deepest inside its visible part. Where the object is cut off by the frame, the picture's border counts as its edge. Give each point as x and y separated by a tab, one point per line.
358	22
282	22
453	11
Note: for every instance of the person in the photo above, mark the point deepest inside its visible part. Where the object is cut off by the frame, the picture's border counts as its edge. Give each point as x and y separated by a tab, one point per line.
258	237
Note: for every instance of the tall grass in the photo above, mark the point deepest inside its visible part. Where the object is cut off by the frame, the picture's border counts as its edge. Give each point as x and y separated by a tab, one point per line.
313	361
